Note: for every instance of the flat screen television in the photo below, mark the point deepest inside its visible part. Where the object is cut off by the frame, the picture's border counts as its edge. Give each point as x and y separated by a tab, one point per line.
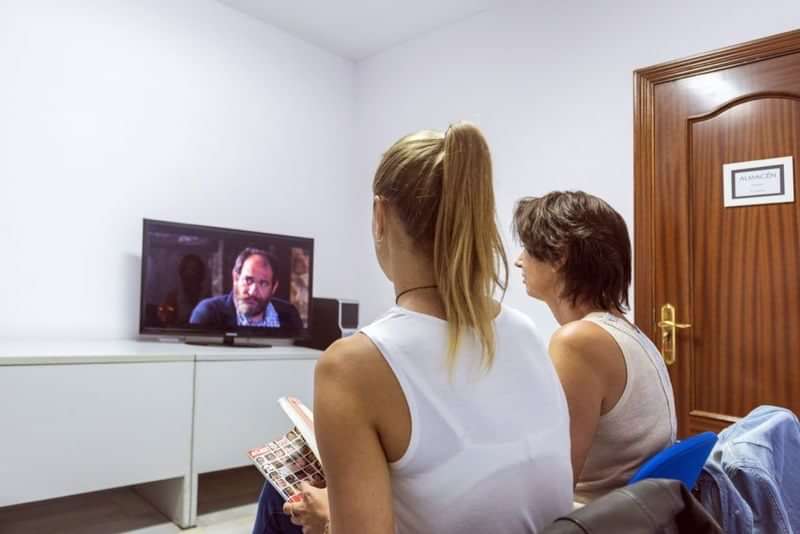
212	284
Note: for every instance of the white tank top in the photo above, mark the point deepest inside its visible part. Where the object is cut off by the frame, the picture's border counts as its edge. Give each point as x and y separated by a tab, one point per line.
489	452
640	424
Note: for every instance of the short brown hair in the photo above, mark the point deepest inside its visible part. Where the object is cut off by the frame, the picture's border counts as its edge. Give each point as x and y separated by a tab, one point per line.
252	251
586	237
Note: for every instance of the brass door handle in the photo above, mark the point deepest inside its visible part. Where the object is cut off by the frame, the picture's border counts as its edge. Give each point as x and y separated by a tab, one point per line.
668	325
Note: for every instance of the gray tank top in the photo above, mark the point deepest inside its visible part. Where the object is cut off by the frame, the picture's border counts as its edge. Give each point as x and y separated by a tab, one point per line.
640	424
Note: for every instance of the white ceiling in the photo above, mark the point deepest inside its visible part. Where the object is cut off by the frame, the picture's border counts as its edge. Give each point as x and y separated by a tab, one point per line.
356	29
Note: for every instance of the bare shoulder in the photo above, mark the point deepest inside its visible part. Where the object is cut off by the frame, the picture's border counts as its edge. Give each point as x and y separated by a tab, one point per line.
583	341
352	361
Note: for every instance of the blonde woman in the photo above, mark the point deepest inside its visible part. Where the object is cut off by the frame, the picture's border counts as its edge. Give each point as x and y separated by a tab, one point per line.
445	415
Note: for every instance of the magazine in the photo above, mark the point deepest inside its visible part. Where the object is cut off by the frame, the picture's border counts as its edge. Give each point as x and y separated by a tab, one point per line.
294	457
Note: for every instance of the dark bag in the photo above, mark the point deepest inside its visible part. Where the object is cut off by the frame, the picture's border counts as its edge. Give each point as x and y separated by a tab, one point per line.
652	506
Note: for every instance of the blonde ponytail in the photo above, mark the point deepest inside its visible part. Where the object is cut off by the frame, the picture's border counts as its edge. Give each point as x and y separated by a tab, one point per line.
468	254
441	187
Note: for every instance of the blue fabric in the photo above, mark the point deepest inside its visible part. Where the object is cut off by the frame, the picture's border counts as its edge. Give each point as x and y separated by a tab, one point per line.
682	461
269	320
270	518
220	312
751	482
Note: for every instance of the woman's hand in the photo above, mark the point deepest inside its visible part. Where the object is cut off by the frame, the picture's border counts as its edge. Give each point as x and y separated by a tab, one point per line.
310	510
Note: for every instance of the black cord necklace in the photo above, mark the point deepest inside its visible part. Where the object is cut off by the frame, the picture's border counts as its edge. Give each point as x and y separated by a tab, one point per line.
397	298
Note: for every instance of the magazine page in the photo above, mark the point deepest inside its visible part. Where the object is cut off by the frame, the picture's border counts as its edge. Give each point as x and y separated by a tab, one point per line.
291	459
302	418
286	462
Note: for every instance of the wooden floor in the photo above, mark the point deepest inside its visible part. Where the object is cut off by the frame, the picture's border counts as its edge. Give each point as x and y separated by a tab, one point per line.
226	505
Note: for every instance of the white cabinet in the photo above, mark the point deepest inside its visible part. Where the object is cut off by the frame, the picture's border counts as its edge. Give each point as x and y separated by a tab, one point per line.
236	404
84	417
75	428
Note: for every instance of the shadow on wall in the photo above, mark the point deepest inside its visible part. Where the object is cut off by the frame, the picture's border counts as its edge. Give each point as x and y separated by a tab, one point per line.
131	291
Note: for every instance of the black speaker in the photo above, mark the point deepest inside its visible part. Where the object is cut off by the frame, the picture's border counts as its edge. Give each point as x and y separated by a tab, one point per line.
331	319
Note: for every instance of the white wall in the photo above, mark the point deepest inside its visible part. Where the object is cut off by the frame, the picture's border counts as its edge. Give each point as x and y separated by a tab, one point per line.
115	110
185	110
550	83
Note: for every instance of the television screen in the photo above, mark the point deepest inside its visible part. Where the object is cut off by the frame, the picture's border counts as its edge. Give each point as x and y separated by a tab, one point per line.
200	280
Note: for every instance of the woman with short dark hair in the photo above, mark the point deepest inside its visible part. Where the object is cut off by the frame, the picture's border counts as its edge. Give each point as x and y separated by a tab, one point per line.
577	259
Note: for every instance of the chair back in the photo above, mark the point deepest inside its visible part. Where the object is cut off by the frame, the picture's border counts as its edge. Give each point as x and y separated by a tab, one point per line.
682	461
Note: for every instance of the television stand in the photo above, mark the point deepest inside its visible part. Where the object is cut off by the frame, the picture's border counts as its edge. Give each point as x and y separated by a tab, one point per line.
229	340
190	408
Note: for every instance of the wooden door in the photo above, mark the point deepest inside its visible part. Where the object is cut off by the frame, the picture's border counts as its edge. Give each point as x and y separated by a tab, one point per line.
732	273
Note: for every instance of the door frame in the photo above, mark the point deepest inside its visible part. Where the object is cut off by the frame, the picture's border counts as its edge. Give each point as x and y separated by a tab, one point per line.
646	277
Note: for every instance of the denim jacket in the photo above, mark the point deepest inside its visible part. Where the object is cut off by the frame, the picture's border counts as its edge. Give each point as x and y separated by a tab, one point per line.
751	481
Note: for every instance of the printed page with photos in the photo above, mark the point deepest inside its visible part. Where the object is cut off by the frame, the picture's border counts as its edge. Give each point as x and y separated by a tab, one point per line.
292	458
